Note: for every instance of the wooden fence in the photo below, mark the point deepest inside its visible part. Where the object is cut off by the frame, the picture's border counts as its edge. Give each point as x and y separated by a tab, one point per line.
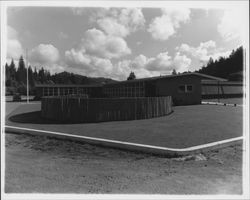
78	109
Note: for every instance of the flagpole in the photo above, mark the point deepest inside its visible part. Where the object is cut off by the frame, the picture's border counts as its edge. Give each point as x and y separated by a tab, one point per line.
27	76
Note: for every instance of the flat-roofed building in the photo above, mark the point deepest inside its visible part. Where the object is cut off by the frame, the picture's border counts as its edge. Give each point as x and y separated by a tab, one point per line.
185	89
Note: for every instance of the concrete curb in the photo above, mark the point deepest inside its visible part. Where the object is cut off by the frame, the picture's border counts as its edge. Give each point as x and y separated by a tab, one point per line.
164	151
220	104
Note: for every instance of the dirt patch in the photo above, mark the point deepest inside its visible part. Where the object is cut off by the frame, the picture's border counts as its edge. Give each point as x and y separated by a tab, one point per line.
46	165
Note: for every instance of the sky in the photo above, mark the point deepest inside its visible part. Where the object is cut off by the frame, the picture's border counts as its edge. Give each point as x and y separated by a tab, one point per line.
112	42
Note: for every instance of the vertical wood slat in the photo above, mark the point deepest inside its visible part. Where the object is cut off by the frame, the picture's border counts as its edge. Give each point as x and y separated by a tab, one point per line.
79	109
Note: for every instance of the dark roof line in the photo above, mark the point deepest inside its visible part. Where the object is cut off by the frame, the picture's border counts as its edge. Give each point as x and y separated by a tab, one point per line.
136	80
171	76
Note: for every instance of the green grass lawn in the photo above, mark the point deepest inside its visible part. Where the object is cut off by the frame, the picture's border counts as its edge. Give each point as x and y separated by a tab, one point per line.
186	126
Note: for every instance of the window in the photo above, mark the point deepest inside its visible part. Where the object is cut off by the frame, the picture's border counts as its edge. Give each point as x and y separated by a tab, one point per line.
182	88
189	88
185	88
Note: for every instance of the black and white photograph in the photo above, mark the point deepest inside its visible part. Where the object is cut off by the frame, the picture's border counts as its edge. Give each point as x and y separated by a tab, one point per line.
124	100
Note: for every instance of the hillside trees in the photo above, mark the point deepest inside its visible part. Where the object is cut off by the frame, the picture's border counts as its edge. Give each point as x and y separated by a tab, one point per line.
224	67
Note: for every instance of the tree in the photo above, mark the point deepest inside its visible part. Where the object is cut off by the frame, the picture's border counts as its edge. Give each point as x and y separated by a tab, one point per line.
131	76
7	75
21	71
174	72
224	67
12	69
41	75
31	77
35	75
210	61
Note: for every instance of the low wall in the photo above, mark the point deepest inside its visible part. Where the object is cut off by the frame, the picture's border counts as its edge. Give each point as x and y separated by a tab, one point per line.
79	109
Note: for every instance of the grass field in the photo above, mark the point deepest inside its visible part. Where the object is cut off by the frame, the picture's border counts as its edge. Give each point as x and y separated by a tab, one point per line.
45	165
186	126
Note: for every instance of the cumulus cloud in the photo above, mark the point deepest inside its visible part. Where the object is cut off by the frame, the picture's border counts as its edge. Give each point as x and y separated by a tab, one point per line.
97	43
14	46
77	58
204	51
89	65
162	62
14	49
199	52
142	66
119	21
112	27
165	26
181	62
122	69
94	53
44	54
233	25
139	62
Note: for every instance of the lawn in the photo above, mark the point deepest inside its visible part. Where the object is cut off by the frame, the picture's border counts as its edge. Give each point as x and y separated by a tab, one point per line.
187	126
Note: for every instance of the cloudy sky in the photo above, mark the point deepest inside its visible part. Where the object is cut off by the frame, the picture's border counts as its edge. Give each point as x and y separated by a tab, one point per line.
111	42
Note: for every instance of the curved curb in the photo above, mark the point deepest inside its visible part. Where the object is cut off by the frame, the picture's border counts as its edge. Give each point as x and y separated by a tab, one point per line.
220	104
171	152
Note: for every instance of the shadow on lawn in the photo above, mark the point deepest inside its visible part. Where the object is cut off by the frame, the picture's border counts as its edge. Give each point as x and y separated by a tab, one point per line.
34	118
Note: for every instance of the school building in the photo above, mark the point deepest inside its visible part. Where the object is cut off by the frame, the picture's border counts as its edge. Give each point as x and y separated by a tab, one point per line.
185	89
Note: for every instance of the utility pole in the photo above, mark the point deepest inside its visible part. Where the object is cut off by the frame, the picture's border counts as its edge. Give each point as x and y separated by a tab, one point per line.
27	75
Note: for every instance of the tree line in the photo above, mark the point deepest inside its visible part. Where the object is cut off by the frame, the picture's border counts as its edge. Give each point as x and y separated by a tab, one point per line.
16	78
229	68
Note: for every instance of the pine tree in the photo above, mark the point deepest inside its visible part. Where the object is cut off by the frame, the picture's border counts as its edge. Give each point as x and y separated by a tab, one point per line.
31	77
131	76
41	75
174	72
21	71
12	68
7	75
35	75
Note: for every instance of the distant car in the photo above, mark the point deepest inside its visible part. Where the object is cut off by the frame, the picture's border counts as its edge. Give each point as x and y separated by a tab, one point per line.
17	97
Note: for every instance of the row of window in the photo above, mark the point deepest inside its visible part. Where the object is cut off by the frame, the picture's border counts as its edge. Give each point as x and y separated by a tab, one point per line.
124	92
64	91
137	91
